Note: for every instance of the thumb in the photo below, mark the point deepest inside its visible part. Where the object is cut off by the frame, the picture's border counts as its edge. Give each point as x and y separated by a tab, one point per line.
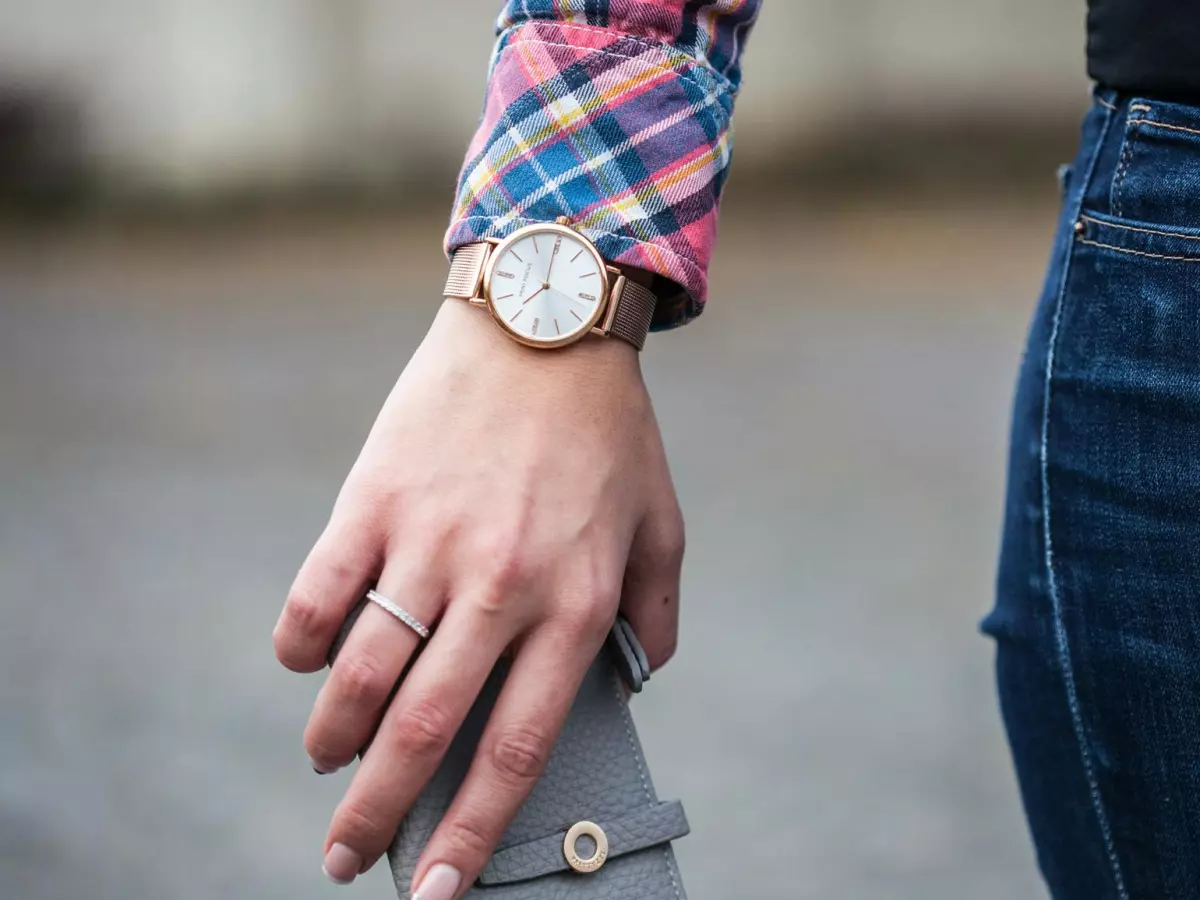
650	594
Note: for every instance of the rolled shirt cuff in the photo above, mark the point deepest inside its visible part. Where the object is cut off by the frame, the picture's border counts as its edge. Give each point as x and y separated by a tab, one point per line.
628	137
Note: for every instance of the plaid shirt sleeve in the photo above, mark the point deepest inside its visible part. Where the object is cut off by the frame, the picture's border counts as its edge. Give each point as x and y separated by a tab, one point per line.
615	113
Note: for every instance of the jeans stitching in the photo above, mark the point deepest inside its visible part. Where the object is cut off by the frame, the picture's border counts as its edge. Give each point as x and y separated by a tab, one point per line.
1169	234
1122	169
1060	630
1186	259
1154	124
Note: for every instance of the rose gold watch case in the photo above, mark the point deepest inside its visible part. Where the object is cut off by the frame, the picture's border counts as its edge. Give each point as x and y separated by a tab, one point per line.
603	306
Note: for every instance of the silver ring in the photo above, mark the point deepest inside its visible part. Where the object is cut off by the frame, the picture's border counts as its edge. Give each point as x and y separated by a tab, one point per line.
402	614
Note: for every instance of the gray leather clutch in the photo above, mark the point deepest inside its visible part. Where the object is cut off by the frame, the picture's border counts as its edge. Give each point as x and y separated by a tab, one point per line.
593	828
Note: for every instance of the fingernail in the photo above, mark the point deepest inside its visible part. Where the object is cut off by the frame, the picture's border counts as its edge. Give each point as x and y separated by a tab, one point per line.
440	883
322	770
341	864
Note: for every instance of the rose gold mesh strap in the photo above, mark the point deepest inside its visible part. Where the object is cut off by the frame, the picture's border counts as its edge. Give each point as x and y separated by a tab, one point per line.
634	302
635	309
466	271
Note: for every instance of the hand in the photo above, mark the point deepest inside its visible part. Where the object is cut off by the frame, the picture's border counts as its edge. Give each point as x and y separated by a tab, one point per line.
516	497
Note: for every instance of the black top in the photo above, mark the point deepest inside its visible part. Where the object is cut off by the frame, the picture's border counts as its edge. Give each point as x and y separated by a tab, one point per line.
1145	46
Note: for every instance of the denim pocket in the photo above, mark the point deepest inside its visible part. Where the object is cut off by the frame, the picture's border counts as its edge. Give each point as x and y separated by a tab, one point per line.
1157	178
1137	238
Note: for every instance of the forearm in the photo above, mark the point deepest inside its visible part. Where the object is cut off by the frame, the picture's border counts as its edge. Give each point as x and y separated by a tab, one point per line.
518	497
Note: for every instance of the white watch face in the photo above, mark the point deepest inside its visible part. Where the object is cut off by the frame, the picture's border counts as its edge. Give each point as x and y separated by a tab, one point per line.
547	286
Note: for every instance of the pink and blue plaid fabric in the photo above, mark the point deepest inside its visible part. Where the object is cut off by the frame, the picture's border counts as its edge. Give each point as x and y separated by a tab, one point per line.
615	113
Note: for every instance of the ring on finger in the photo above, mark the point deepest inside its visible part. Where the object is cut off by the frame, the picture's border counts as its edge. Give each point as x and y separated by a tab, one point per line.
398	612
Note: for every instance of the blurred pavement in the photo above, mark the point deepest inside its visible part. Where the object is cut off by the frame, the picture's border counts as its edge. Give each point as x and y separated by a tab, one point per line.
177	412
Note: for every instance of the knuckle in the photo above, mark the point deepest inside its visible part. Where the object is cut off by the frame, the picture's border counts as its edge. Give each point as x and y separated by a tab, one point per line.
520	754
596	602
342	568
494	599
362	825
422	730
500	586
306	614
321	752
595	617
469	838
362	679
506	558
298	642
602	590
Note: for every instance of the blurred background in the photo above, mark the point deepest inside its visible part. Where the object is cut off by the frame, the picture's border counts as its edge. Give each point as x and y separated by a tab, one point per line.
220	231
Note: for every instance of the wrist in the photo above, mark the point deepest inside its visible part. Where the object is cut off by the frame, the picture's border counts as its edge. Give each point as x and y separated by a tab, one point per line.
552	294
469	335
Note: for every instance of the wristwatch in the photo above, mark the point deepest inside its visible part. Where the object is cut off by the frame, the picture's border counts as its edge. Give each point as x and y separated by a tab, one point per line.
548	286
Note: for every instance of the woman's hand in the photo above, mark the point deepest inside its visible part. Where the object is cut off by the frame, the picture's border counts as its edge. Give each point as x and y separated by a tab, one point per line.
515	497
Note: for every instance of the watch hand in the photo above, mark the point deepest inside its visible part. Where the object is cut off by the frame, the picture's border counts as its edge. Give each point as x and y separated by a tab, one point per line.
569	298
534	294
553	256
555	290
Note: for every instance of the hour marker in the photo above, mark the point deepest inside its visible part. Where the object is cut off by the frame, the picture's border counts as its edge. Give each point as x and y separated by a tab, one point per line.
535	325
517	313
557	330
506	274
535	246
577	255
505	297
514	253
576	315
587	297
588	275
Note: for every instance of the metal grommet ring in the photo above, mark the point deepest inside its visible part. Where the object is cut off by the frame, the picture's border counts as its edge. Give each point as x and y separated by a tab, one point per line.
596	860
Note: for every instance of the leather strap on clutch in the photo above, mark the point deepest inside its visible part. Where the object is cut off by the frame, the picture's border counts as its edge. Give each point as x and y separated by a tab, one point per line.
637	830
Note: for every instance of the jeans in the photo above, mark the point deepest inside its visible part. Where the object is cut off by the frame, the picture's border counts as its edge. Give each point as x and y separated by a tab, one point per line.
1097	616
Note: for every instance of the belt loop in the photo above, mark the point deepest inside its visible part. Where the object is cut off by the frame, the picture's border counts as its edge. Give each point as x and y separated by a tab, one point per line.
1106	97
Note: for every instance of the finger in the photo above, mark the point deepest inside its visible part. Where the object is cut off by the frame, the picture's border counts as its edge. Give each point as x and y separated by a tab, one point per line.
513	752
367	668
339	567
414	735
650	594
